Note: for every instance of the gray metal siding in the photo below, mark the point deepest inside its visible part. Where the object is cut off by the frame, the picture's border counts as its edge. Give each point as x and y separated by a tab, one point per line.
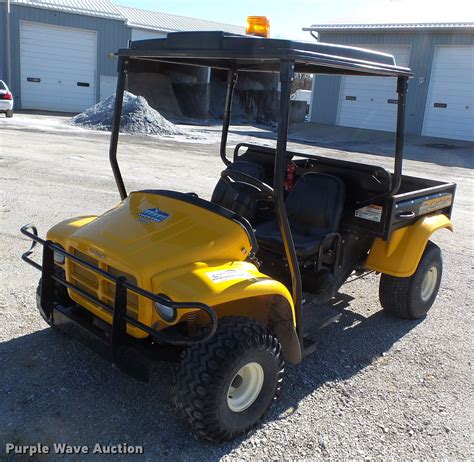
3	63
325	92
111	35
327	88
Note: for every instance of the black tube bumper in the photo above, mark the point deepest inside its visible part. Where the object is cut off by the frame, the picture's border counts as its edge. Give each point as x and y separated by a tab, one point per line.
110	341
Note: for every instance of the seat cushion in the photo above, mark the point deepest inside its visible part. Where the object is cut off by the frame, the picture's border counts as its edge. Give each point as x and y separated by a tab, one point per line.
269	238
314	208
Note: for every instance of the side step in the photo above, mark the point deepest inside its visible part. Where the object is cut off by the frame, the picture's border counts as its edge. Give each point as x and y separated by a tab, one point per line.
317	316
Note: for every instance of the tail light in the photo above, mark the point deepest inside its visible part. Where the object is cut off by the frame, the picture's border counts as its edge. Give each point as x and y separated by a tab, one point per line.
8	95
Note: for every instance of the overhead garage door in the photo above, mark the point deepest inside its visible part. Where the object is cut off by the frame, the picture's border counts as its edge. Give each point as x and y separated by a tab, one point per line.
450	104
370	102
58	67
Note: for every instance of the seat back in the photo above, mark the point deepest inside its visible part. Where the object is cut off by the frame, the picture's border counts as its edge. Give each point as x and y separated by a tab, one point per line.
238	197
315	204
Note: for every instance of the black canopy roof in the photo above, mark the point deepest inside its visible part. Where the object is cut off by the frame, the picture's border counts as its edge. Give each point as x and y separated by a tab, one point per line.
248	53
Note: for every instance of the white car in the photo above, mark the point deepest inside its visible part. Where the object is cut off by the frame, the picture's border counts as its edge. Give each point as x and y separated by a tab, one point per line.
6	99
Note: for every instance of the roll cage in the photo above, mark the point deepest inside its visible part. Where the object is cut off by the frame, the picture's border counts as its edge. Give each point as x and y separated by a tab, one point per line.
239	53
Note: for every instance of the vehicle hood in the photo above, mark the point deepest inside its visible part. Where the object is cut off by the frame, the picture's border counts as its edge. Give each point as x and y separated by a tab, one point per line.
151	232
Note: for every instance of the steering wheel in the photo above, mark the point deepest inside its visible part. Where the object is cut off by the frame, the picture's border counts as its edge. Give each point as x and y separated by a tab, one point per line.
232	177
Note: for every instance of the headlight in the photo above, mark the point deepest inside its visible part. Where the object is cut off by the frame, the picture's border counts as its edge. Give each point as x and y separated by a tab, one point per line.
167	313
59	258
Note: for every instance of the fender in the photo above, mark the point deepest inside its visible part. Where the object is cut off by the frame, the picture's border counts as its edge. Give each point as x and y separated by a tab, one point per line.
235	289
400	255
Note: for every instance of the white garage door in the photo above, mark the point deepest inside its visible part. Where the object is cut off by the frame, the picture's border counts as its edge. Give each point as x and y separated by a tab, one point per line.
58	67
371	102
450	104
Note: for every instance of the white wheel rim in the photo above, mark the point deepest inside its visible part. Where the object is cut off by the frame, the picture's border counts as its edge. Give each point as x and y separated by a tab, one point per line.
429	283
245	387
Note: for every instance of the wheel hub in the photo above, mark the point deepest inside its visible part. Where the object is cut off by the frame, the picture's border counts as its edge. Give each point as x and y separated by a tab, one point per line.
429	283
245	387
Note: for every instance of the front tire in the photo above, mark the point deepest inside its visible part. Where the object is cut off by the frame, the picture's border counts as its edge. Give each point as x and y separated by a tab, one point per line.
224	386
412	297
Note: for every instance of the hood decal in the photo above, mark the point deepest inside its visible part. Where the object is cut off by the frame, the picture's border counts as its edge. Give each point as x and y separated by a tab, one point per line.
152	216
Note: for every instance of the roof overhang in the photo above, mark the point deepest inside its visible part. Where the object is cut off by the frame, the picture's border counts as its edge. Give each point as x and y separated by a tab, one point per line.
254	54
406	27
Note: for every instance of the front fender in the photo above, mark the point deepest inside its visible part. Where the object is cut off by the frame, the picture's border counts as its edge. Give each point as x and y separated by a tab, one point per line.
219	283
400	255
235	289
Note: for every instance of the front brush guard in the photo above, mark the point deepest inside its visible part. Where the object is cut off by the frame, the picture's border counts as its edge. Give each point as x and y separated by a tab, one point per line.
117	341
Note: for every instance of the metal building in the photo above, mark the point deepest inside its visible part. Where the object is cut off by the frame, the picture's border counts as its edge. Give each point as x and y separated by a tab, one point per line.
61	52
440	99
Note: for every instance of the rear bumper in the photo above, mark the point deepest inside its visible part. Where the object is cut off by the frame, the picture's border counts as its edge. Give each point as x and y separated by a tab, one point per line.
109	340
6	105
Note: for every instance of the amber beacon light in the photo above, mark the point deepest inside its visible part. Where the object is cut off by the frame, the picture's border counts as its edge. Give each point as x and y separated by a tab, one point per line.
258	25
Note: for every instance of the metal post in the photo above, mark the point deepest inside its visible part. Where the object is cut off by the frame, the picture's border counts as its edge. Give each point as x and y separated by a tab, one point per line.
286	77
122	76
47	281
119	325
8	45
402	84
231	81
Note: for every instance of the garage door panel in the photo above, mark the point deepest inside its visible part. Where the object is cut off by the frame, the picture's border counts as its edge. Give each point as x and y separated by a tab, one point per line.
37	67
46	38
451	84
51	88
39	31
372	107
79	53
59	57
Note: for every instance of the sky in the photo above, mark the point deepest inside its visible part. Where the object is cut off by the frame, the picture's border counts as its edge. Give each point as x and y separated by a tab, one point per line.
288	17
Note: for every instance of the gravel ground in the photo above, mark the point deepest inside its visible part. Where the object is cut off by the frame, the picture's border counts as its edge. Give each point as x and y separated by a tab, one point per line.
376	388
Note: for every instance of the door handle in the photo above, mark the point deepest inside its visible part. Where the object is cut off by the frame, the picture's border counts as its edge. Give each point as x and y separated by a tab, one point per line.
405	215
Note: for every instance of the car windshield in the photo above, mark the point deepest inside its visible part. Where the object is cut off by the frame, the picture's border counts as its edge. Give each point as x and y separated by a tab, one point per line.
2	85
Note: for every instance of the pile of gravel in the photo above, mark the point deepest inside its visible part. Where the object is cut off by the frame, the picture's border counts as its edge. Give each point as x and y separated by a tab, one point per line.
138	117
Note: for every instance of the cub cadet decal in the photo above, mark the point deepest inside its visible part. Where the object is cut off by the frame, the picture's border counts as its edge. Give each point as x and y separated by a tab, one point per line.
152	215
436	203
96	253
228	275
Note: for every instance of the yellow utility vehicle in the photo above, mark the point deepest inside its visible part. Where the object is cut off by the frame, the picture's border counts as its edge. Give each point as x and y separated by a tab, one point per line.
239	284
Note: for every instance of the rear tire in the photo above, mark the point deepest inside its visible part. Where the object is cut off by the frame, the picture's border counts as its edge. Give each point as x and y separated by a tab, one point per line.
412	297
9	113
224	386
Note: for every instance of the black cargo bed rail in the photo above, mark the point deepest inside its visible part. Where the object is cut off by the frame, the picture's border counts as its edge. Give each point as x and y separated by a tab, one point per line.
119	310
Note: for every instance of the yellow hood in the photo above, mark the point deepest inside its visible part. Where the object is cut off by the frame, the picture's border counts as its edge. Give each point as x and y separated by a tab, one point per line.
151	232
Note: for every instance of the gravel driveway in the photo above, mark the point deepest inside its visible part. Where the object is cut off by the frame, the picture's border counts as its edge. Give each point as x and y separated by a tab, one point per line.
376	388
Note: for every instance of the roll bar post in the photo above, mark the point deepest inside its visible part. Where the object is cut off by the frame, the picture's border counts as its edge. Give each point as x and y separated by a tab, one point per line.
231	81
287	70
121	80
402	86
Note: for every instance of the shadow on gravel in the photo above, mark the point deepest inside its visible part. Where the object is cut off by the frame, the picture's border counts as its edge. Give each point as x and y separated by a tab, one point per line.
54	390
345	349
